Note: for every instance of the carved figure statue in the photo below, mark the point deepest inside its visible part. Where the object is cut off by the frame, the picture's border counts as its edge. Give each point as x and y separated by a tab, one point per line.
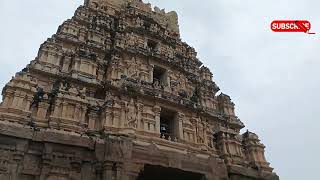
63	87
131	40
82	92
200	134
139	22
132	69
73	91
131	114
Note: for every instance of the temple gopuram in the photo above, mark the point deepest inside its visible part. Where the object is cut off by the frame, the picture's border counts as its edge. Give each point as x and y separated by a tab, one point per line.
116	95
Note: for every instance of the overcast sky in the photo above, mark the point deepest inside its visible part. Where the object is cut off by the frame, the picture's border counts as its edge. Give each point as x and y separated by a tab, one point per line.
273	78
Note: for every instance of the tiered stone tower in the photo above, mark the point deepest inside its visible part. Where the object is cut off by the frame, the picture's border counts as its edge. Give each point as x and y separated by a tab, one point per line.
116	95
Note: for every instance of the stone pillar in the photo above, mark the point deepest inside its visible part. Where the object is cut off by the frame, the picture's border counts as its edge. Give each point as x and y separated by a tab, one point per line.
57	59
94	70
145	126
56	111
87	171
157	111
82	35
228	144
119	168
77	112
179	127
139	115
17	164
151	73
107	173
7	98
45	171
29	101
22	97
114	74
108	116
255	155
123	118
117	117
82	66
75	168
66	64
93	117
43	55
260	155
238	149
64	109
83	114
205	133
225	149
98	171
263	156
42	110
87	68
20	100
18	157
15	100
168	79
50	58
76	67
46	162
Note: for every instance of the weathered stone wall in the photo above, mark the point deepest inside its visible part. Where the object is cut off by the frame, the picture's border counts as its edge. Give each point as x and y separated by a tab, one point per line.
47	155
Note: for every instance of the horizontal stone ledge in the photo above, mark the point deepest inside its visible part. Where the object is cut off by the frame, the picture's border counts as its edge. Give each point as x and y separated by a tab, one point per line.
21	132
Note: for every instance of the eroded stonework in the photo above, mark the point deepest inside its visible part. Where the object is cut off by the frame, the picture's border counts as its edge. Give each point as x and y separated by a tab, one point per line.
114	91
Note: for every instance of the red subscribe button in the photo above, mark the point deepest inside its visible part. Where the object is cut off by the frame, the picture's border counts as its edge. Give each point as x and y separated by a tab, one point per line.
291	26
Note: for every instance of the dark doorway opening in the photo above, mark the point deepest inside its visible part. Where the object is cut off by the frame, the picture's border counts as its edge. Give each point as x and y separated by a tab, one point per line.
167	123
159	76
151	172
152	45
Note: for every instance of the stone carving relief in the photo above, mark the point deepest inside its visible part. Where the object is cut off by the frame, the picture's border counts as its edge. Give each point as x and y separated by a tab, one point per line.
113	112
189	131
148	118
4	162
85	67
130	68
131	40
201	131
131	114
131	71
116	67
117	149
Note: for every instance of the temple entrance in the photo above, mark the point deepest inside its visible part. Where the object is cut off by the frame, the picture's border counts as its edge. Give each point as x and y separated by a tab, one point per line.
161	173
